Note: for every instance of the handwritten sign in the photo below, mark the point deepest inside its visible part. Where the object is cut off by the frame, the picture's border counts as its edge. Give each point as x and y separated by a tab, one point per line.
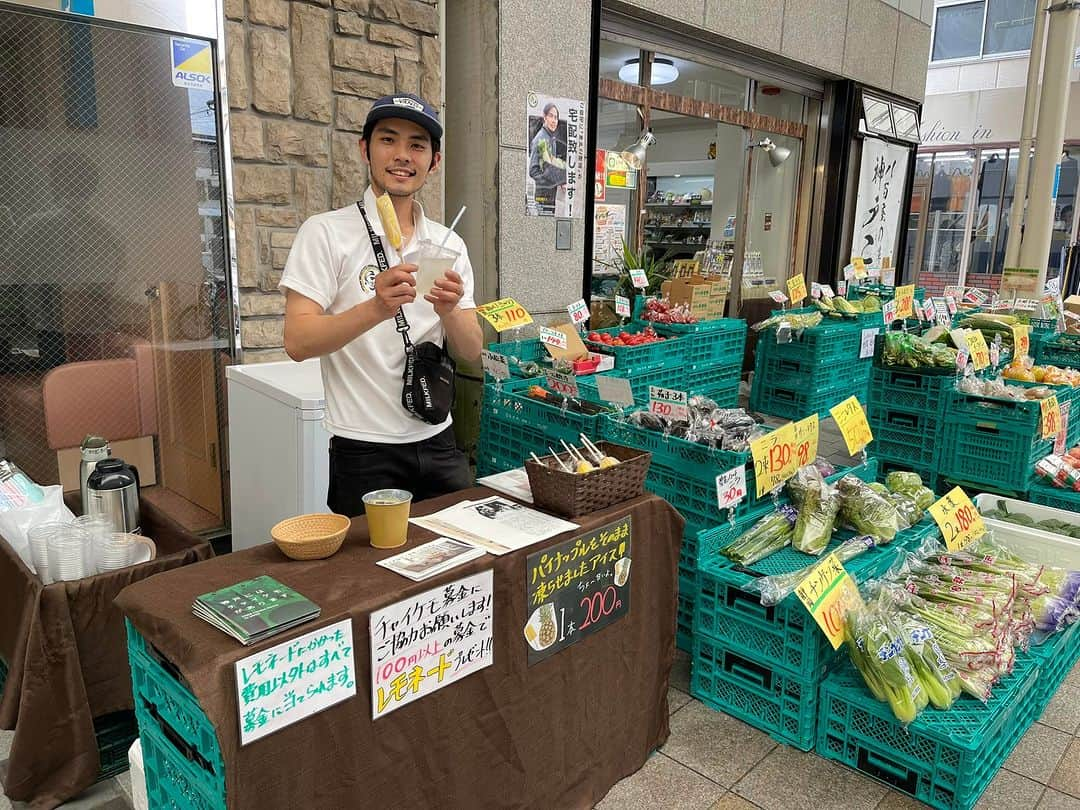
622	306
961	359
1050	417
976	296
958	519
294	680
888	312
774	459
565	384
977	348
731	488
841	288
553	337
639	278
905	301
778	296
577	588
828	592
851	419
805	445
1021	335
495	364
950	304
928	310
579	312
815	290
796	287
669	403
615	390
827	292
430	640
506	313
866	344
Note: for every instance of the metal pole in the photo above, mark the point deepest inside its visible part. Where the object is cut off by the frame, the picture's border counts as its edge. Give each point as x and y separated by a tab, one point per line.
1023	160
1053	106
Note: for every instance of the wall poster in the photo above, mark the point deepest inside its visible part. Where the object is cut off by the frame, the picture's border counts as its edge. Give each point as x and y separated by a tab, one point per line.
556	166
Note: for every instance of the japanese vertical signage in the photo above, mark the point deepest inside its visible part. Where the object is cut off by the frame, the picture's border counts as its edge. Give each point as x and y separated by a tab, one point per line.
774	459
428	641
556	168
294	680
879	209
576	588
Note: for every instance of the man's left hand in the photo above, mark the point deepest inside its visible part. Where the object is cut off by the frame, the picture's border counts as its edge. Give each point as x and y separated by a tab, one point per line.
446	293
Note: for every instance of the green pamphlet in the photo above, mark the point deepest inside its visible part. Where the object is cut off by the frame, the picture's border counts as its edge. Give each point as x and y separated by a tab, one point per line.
255	609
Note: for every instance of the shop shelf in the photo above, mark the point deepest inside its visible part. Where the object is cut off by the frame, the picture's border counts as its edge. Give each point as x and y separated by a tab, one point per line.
994	454
782	705
904	434
530	350
792	402
944	758
670	352
1056	657
1048	495
909	389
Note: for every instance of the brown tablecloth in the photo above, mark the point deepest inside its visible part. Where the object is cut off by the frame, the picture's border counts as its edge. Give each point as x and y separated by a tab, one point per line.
66	651
558	734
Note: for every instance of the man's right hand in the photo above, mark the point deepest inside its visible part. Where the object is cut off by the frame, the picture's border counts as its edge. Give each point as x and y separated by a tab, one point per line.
395	287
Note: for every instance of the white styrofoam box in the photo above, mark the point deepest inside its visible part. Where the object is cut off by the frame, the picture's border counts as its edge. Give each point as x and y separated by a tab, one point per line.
1036	545
138	776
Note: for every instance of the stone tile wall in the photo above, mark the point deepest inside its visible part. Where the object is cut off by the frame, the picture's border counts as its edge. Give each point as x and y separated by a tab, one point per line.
302	76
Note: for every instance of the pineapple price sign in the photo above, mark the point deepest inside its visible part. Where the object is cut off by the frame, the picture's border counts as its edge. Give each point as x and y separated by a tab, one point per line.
851	419
958	519
828	593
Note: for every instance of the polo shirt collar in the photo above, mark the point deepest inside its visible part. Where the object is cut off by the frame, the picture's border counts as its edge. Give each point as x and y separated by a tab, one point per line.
420	223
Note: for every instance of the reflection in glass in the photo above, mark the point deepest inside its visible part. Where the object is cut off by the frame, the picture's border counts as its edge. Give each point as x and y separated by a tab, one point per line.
770	218
958	32
951	186
907	123
779	103
1008	25
877	116
920	197
985	228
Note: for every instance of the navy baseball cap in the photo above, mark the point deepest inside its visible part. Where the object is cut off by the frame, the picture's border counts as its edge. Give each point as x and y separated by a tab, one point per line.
410	107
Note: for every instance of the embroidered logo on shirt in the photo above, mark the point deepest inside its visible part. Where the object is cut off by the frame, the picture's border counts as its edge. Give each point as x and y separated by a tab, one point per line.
367	278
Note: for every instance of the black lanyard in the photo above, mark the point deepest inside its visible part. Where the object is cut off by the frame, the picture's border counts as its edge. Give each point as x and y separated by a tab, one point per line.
380	257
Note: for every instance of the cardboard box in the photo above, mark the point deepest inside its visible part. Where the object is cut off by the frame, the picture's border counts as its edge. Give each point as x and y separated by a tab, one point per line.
575	348
695	293
1072	303
718	299
137	452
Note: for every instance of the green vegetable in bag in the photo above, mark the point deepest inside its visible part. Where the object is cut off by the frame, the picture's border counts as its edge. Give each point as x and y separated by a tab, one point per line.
817	514
866	511
900	481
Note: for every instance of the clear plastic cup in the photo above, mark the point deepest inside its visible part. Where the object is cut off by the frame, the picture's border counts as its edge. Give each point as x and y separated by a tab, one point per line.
117	550
433	260
38	537
71	554
387	513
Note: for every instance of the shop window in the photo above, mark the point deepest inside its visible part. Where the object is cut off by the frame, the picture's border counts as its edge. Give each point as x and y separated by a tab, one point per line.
987	240
614	57
779	103
958	31
770	217
1008	26
951	186
920	199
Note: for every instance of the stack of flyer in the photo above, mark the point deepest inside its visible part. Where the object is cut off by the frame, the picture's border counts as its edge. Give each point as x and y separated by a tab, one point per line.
255	609
431	558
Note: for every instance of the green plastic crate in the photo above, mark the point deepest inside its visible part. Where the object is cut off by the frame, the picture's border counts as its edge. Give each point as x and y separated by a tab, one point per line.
684	614
724	343
509	403
670	352
909	389
1048	495
714	378
989	453
115	733
1057	350
173	780
665	377
929	475
793	402
944	758
906	435
831	341
530	350
1056	657
811	377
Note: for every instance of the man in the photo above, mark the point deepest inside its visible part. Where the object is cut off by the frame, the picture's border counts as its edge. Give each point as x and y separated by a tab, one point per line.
546	168
339	307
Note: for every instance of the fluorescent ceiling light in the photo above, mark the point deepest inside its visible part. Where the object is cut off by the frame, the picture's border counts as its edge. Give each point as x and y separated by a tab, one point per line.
663	71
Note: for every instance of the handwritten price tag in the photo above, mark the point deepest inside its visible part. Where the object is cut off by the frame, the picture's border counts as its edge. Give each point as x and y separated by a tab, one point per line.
552	337
905	300
859	265
639	278
506	313
778	296
774	459
826	291
806	440
1021	335
495	364
731	488
669	403
565	384
851	419
977	348
796	288
866	345
579	312
1051	416
928	310
888	312
958	519
622	306
950	304
815	290
1059	440
961	359
828	593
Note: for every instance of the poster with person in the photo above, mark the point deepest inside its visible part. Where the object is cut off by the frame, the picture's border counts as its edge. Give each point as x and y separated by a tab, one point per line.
556	165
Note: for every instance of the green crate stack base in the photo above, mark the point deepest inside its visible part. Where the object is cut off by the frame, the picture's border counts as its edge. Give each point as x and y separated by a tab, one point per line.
722	344
1048	495
792	402
530	350
929	475
944	758
667	353
905	435
181	755
1058	350
909	390
720	378
1056	657
810	377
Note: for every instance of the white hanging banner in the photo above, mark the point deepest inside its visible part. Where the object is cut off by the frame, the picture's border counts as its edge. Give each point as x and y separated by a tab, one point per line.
879	209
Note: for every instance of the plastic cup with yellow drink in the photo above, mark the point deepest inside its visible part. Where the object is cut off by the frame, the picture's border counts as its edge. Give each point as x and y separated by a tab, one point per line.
387	513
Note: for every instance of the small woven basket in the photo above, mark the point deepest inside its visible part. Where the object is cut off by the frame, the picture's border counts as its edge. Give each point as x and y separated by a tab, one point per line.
572	495
310	537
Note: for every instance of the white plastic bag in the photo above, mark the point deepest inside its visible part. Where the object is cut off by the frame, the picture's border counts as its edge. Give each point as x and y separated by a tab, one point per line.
15	524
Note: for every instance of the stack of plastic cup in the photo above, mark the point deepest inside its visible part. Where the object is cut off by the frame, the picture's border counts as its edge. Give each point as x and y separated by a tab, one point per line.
39	548
120	549
71	555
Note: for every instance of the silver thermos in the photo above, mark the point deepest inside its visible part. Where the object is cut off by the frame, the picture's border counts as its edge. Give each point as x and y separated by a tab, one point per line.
94	449
113	491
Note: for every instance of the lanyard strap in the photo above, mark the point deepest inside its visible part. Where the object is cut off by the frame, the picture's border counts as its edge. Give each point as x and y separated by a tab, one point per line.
400	321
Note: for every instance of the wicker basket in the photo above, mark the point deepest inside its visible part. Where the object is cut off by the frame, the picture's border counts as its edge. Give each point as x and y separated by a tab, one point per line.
310	537
572	495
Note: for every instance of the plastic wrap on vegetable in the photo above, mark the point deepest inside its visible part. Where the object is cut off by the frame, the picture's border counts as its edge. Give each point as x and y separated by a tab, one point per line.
900	481
867	511
774	589
796	487
817	512
796	321
936	675
878	650
906	508
767	536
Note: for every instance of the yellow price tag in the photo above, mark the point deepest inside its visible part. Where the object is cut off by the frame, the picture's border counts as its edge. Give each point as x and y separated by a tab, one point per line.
829	592
806	440
958	519
1051	417
1021	335
860	266
905	301
796	288
506	313
774	459
977	348
851	419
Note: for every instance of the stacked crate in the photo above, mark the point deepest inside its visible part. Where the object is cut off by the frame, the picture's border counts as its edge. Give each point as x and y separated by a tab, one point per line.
906	411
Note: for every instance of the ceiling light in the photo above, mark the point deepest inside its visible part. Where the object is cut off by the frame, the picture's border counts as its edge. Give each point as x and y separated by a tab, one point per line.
663	71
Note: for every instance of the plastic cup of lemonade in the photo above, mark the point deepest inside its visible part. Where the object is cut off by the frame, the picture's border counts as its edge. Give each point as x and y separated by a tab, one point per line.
388	516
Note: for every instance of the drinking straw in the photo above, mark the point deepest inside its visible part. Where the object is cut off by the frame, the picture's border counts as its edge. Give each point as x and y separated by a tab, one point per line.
453	224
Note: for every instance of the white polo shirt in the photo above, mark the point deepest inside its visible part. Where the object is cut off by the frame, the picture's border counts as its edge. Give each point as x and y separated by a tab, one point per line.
333	263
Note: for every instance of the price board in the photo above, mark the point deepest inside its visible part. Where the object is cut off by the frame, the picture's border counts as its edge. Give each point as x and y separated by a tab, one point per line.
622	306
950	304
731	488
976	296
506	313
905	301
774	459
958	519
977	348
669	403
579	312
1050	413
497	365
615	390
851	419
639	278
552	337
828	592
796	288
888	312
778	297
565	384
827	293
806	440
1021	335
866	344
